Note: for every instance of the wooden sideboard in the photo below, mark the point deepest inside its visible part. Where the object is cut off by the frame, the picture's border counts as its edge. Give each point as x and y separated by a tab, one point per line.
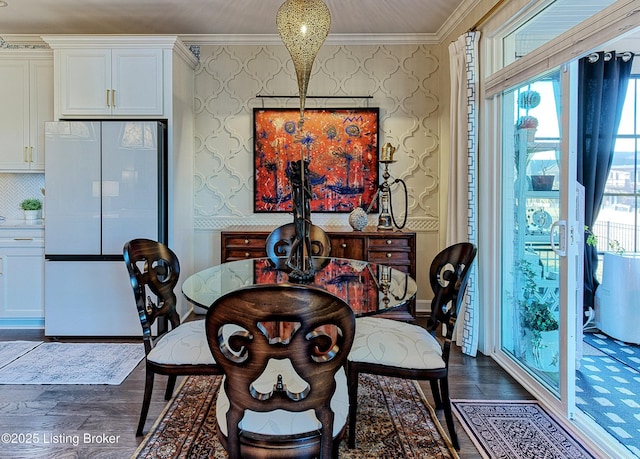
393	248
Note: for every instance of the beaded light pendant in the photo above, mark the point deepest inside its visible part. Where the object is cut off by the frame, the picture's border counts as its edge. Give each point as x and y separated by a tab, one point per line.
303	26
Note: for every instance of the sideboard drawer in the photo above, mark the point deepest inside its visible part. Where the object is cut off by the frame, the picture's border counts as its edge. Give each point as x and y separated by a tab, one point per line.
390	257
240	254
249	242
238	245
389	243
347	247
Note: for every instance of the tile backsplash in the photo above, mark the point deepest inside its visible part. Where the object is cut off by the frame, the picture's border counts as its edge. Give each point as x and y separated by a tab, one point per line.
16	187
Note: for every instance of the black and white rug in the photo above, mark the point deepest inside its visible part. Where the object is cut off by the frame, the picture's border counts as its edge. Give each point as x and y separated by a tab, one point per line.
610	393
502	429
70	363
628	354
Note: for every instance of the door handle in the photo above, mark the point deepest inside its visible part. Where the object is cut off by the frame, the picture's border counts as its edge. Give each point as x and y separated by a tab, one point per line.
24	155
30	154
561	247
1	266
113	98
108	99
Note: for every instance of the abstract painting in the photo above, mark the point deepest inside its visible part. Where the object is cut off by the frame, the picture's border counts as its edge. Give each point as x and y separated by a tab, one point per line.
341	146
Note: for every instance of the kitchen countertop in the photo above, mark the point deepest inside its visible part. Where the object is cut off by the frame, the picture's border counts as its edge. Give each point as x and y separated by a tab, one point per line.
22	224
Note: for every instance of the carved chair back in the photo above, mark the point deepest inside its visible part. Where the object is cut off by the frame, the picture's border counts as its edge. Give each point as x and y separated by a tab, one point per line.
309	327
153	269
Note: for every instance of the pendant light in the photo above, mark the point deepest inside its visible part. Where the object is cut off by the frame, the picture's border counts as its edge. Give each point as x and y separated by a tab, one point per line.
303	26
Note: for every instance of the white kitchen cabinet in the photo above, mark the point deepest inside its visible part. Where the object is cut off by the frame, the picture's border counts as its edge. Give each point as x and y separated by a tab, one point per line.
105	81
21	278
26	93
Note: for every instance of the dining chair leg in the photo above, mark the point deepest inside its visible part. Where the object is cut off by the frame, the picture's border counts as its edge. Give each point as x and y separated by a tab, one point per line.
435	390
353	376
448	413
171	384
146	401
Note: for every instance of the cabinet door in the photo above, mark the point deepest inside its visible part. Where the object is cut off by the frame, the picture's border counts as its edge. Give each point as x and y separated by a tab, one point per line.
14	114
22	282
85	77
40	109
137	82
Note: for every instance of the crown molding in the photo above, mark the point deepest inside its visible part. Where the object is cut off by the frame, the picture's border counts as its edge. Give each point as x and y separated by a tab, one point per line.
455	18
22	42
332	39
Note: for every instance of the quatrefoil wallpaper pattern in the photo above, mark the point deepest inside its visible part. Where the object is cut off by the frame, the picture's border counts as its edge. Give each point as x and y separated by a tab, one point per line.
402	80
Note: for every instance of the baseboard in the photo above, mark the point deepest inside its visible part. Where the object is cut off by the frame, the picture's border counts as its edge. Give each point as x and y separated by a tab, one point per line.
423	308
22	323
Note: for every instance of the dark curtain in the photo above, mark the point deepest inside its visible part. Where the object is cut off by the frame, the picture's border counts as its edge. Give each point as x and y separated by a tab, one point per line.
602	87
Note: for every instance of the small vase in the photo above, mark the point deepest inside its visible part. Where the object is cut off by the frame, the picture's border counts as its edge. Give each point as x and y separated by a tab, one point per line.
32	214
358	219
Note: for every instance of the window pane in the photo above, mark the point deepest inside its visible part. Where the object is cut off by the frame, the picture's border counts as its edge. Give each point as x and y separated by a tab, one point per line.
629	110
550	22
617	225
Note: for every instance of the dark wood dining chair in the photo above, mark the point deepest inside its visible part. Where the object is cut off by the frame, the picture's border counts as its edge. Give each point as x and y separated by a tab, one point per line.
183	349
282	349
398	349
279	242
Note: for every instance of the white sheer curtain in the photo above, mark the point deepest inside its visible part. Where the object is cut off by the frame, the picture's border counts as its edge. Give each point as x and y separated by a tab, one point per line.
462	193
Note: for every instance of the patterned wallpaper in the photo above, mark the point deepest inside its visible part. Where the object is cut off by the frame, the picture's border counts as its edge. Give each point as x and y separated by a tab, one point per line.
402	80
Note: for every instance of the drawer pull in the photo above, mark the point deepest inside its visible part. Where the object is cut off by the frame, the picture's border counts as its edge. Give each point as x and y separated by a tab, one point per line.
247	254
23	239
246	241
389	242
389	255
343	245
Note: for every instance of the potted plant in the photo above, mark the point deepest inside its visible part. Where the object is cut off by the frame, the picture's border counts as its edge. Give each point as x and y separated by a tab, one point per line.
529	124
542	181
32	208
538	323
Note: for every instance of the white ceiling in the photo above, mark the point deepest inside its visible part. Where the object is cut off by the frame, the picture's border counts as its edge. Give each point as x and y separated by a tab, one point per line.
204	17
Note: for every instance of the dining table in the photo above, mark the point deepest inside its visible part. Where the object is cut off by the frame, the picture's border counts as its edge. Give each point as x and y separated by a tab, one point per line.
369	288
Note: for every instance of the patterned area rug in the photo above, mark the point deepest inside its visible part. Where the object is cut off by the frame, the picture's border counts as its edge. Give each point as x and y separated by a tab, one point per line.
73	363
11	350
516	430
628	354
610	393
394	420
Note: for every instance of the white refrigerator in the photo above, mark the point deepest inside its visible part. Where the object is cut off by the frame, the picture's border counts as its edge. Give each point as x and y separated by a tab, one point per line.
105	184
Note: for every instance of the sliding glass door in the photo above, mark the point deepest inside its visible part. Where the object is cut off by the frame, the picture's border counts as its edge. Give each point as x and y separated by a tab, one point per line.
538	319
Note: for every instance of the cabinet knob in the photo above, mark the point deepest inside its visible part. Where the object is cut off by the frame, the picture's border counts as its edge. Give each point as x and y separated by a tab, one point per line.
389	242
343	245
246	241
388	255
247	254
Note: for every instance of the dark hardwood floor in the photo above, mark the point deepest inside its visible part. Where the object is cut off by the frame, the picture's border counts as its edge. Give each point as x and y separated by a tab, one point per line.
58	414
